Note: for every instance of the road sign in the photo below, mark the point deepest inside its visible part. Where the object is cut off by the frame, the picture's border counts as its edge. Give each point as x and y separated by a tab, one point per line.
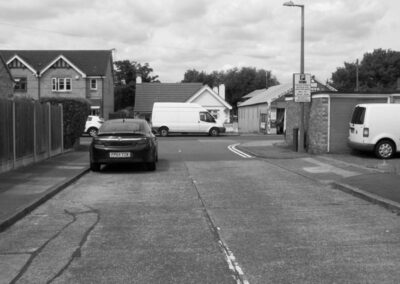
302	87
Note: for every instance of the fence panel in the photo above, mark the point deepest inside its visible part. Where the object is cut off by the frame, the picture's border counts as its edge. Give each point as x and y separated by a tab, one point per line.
6	130
42	128
24	126
26	121
56	128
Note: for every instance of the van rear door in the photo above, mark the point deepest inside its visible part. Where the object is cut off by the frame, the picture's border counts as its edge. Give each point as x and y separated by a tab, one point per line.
356	129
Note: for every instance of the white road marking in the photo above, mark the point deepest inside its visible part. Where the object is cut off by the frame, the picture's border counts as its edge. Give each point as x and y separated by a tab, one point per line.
233	149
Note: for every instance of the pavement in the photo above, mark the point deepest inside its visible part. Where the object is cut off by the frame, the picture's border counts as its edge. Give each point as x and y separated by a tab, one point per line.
360	174
24	189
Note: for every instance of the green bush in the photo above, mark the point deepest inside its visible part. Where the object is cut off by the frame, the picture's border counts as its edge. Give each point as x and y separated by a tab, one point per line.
75	113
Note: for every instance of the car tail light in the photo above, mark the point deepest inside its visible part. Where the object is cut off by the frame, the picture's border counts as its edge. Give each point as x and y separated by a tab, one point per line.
365	132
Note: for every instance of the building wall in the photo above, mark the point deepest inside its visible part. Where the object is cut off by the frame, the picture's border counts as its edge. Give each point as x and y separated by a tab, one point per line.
327	120
6	84
31	80
249	118
318	127
78	84
209	102
292	118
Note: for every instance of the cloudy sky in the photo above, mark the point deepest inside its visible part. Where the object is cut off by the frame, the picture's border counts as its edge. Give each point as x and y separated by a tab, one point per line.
176	35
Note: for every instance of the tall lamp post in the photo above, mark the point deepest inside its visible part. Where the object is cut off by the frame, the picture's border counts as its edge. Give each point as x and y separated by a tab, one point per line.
301	126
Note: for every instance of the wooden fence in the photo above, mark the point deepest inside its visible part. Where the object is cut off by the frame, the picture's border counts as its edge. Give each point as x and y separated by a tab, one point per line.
29	132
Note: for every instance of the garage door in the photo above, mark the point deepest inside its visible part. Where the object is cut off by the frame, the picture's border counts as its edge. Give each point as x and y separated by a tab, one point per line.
340	114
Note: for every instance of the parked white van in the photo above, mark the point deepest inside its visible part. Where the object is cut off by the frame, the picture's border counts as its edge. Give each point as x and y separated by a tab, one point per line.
376	127
184	118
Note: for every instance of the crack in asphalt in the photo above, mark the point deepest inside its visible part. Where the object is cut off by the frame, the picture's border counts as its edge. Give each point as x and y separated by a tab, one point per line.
78	252
237	272
75	254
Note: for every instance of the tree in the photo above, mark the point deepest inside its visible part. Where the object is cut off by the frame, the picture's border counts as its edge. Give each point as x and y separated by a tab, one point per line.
126	72
378	71
238	82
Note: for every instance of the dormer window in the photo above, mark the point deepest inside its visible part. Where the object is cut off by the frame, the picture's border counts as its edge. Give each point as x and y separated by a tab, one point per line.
93	84
61	84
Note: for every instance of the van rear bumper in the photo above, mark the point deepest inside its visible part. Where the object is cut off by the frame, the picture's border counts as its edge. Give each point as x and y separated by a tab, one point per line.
361	146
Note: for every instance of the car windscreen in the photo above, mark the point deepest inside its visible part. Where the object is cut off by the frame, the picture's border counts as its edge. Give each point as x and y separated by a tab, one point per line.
126	127
358	115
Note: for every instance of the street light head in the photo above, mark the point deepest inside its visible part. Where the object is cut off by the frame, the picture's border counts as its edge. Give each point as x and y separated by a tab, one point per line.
289	3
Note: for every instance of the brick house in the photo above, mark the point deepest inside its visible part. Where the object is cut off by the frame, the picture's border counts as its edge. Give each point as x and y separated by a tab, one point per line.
64	73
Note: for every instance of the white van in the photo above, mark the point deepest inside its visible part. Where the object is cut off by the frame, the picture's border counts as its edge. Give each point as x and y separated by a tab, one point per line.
184	118
376	127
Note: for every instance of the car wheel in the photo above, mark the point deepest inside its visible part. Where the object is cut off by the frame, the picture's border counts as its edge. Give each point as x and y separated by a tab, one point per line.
214	132
164	131
151	166
93	131
95	167
384	149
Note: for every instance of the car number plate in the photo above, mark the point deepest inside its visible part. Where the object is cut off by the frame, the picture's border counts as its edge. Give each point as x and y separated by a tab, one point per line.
120	154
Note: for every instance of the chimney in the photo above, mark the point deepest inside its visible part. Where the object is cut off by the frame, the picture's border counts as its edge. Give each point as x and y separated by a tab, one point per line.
221	92
138	79
215	89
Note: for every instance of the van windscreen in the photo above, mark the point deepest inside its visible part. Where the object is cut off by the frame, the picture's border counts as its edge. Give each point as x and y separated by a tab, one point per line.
358	115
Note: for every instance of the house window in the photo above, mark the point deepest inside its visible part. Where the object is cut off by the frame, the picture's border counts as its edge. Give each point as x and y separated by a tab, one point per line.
214	113
93	84
206	117
20	84
61	84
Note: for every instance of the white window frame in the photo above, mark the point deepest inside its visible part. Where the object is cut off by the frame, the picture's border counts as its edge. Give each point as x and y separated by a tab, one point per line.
95	84
61	84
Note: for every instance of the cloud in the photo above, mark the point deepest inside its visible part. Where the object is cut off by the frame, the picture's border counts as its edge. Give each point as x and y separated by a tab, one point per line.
176	35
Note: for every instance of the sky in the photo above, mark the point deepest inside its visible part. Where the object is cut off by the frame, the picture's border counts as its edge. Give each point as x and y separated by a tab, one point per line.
174	36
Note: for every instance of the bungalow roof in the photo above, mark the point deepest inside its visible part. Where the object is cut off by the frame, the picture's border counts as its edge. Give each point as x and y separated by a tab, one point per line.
149	93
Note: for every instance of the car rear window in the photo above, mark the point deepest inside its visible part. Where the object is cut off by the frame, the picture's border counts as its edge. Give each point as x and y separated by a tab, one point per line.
358	115
129	127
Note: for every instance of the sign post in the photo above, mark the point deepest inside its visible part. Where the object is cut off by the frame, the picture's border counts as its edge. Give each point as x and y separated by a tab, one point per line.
302	94
302	88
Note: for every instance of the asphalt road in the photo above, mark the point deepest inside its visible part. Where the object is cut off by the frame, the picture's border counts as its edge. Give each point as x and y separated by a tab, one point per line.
206	215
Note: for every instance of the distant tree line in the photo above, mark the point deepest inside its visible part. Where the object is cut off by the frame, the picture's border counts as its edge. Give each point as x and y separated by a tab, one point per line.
238	82
378	71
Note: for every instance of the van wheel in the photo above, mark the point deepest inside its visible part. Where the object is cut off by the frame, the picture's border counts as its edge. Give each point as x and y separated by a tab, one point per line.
384	149
93	131
214	132
164	131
